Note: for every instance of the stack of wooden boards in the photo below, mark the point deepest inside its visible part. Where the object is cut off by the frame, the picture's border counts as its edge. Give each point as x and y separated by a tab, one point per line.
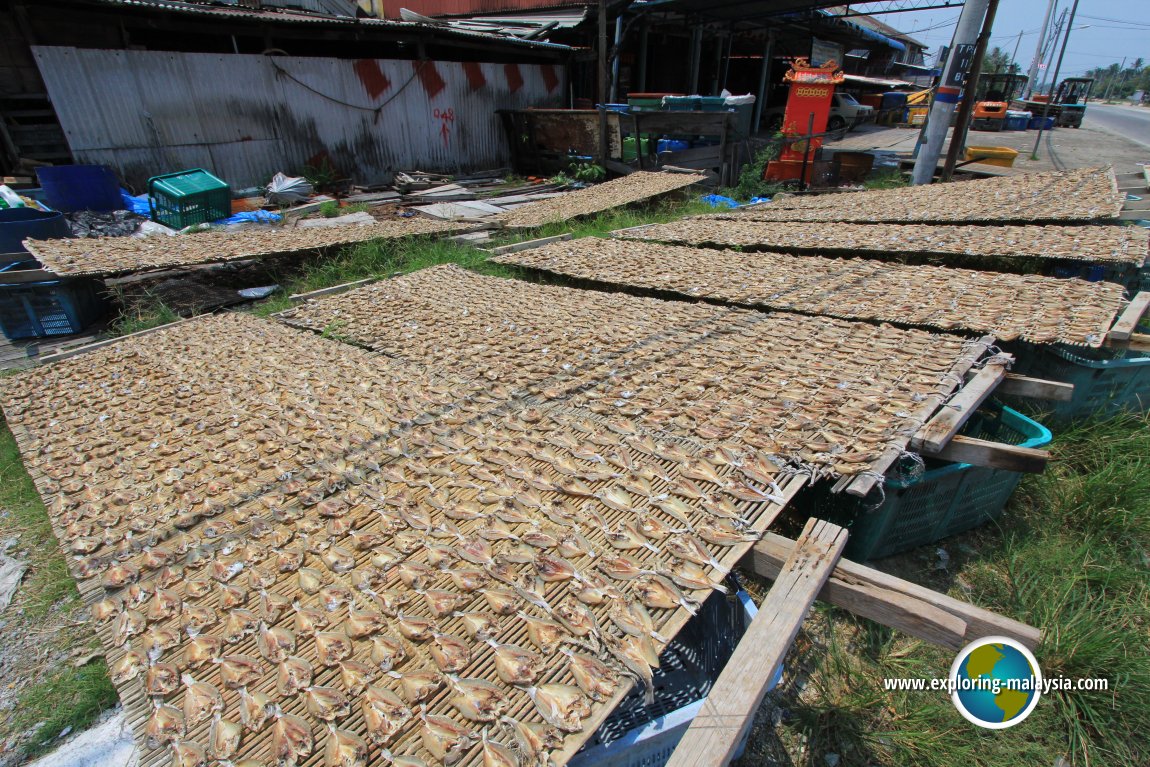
296	548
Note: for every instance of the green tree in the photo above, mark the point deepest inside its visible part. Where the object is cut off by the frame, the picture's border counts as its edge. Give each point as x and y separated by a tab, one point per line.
997	61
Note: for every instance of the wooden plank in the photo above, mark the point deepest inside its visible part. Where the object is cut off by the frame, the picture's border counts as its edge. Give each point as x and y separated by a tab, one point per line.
530	244
78	350
993	455
1130	317
904	606
1035	388
955	413
729	709
341	288
860	485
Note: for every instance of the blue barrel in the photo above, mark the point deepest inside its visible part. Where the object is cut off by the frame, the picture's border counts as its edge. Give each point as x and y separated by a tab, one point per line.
1041	123
19	224
70	188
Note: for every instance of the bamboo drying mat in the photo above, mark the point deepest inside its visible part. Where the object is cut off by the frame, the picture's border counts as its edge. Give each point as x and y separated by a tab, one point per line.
626	190
1085	194
814	392
122	255
1038	309
1097	244
533	468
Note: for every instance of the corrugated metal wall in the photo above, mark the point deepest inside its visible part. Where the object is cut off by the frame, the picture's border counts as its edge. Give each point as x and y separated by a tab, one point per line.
245	117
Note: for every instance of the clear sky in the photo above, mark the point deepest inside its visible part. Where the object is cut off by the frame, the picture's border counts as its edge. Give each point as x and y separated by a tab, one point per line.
1104	30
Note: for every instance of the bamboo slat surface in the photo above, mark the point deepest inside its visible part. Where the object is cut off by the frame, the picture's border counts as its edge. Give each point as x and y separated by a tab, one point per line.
626	190
110	256
1080	195
1042	310
973	244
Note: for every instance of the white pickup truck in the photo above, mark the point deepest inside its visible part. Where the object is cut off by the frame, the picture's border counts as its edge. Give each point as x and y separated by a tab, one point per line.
845	113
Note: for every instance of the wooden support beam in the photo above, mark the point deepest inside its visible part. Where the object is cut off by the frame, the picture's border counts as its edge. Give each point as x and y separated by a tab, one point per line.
1130	317
730	707
861	484
904	606
1035	388
334	289
955	413
78	350
993	455
529	244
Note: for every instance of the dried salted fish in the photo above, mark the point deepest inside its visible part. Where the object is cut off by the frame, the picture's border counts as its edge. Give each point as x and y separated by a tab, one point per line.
478	699
561	705
468	579
239	670
502	602
344	749
309	620
594	677
415	628
444	738
478	625
255	709
363	623
238	624
387	651
442	602
545	634
161	679
621	568
293	674
127	667
658	592
201	649
165	725
450	653
187	753
417	685
724	533
384	714
688	548
326	703
635	654
128	624
224	738
535	739
625	536
355	676
497	754
291	740
690	575
332	646
514	664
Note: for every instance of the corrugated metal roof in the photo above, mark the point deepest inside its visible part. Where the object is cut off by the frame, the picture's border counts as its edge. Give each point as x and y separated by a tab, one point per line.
293	17
513	25
475	7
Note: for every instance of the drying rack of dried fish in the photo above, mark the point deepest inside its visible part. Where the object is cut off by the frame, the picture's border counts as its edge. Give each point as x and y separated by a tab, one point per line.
625	190
1083	195
110	256
299	551
1037	309
1125	245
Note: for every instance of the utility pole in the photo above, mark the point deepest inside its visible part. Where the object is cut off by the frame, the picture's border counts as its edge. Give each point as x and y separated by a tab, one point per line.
603	84
1053	42
958	138
1054	86
1014	56
1032	75
962	49
1110	85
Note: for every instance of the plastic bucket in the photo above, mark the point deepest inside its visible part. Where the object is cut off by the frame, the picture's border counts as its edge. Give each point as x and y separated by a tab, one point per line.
19	224
80	187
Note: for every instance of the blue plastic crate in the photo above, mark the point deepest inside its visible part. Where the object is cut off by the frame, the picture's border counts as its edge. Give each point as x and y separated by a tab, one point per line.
924	503
636	735
50	308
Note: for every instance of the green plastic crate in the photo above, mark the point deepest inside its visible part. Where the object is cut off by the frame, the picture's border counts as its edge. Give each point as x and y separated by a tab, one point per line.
945	499
189	197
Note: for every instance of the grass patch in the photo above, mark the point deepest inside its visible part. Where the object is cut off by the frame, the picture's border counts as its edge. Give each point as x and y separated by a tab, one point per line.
47	581
891	179
1070	557
141	315
73	698
332	209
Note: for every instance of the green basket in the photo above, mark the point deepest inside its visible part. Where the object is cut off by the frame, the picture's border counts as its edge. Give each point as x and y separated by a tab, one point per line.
920	507
1106	381
189	197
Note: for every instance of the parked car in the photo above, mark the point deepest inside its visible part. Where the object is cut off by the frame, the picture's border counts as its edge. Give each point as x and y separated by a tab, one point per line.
846	113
